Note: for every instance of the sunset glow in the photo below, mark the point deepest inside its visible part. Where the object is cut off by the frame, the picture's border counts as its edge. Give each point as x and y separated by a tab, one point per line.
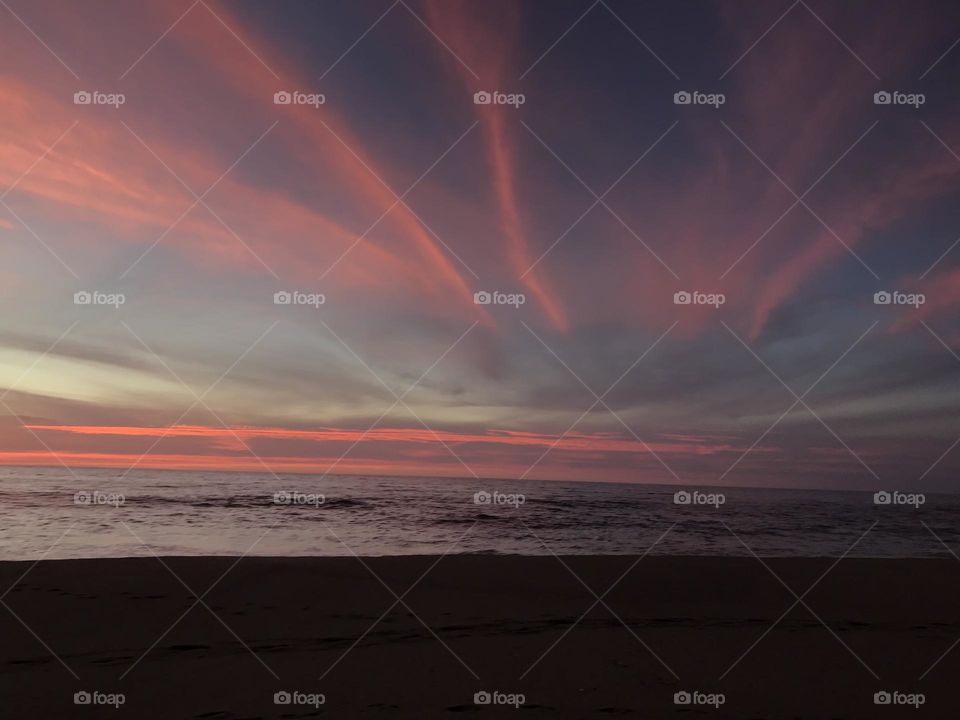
203	276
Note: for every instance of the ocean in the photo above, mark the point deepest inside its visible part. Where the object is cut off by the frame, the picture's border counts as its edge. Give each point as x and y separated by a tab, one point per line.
52	513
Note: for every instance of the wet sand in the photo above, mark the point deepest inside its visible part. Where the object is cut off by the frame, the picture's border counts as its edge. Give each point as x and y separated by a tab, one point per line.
475	623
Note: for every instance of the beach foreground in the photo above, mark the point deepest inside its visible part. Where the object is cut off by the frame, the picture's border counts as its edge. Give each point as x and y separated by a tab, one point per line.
333	629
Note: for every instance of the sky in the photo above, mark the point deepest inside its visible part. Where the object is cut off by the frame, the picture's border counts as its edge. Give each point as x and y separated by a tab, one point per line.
587	201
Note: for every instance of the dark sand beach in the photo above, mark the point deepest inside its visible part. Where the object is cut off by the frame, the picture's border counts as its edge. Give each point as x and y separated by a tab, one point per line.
479	623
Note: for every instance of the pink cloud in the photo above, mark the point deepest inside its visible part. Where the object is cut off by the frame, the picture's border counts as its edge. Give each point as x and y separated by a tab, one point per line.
487	48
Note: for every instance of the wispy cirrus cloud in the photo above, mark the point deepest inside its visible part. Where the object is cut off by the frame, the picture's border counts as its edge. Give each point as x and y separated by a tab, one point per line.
304	198
483	44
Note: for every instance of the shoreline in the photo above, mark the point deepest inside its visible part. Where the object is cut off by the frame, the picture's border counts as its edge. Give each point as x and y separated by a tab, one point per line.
934	556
